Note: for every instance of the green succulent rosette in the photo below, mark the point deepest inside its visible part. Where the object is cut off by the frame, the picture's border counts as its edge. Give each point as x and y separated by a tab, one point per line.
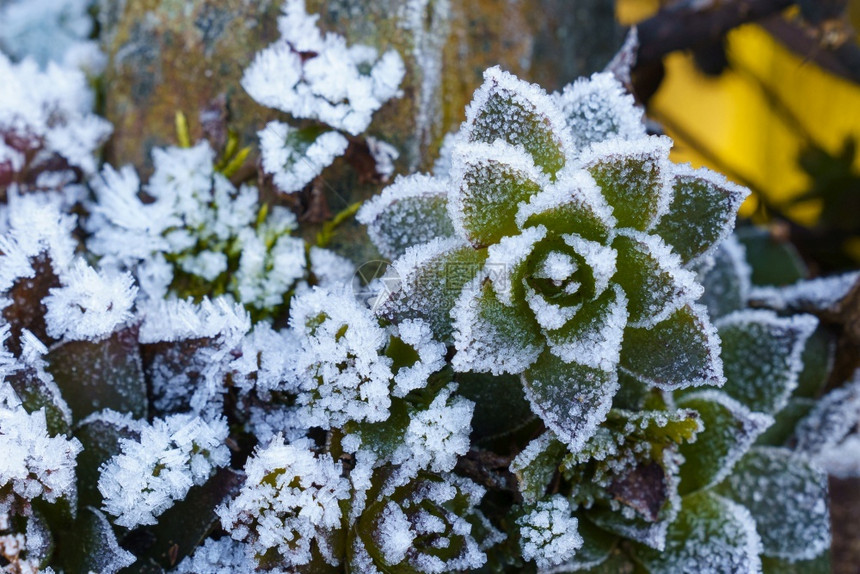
573	251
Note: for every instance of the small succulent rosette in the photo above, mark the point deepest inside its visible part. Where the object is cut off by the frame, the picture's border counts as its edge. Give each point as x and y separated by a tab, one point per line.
561	245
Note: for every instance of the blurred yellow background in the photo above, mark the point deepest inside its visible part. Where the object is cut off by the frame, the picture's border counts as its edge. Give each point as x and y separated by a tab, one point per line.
733	118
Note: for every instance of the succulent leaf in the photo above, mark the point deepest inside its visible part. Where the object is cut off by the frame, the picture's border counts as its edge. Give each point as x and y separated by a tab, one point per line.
536	465
727	281
711	534
762	356
412	211
652	277
597	109
572	399
521	114
730	429
426	282
787	496
702	212
679	352
635	178
490	336
490	180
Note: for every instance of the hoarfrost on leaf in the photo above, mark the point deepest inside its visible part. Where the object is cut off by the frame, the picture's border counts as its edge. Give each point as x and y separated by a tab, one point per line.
548	532
295	157
90	304
597	108
152	473
787	497
313	75
289	501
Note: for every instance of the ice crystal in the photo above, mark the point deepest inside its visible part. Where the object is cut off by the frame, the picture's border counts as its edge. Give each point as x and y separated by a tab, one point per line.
548	532
34	463
200	231
296	157
313	75
289	502
46	114
152	473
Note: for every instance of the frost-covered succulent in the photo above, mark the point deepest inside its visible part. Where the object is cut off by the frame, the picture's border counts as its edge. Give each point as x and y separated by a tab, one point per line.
317	76
566	264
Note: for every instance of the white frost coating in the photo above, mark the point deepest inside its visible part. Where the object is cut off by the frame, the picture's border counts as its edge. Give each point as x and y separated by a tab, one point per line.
332	271
49	112
673	288
315	76
431	356
269	267
267	359
289	500
505	258
395	534
293	162
152	473
549	315
654	149
752	424
90	304
35	464
55	31
408	212
175	319
531	97
830	433
599	258
480	346
598	344
548	533
35	229
436	437
597	109
222	556
469	157
196	219
821	294
574	187
342	373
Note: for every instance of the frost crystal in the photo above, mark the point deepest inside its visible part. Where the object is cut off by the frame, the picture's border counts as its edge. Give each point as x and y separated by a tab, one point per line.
317	76
222	556
294	157
46	114
89	304
436	437
548	532
35	464
342	373
289	501
152	473
213	234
